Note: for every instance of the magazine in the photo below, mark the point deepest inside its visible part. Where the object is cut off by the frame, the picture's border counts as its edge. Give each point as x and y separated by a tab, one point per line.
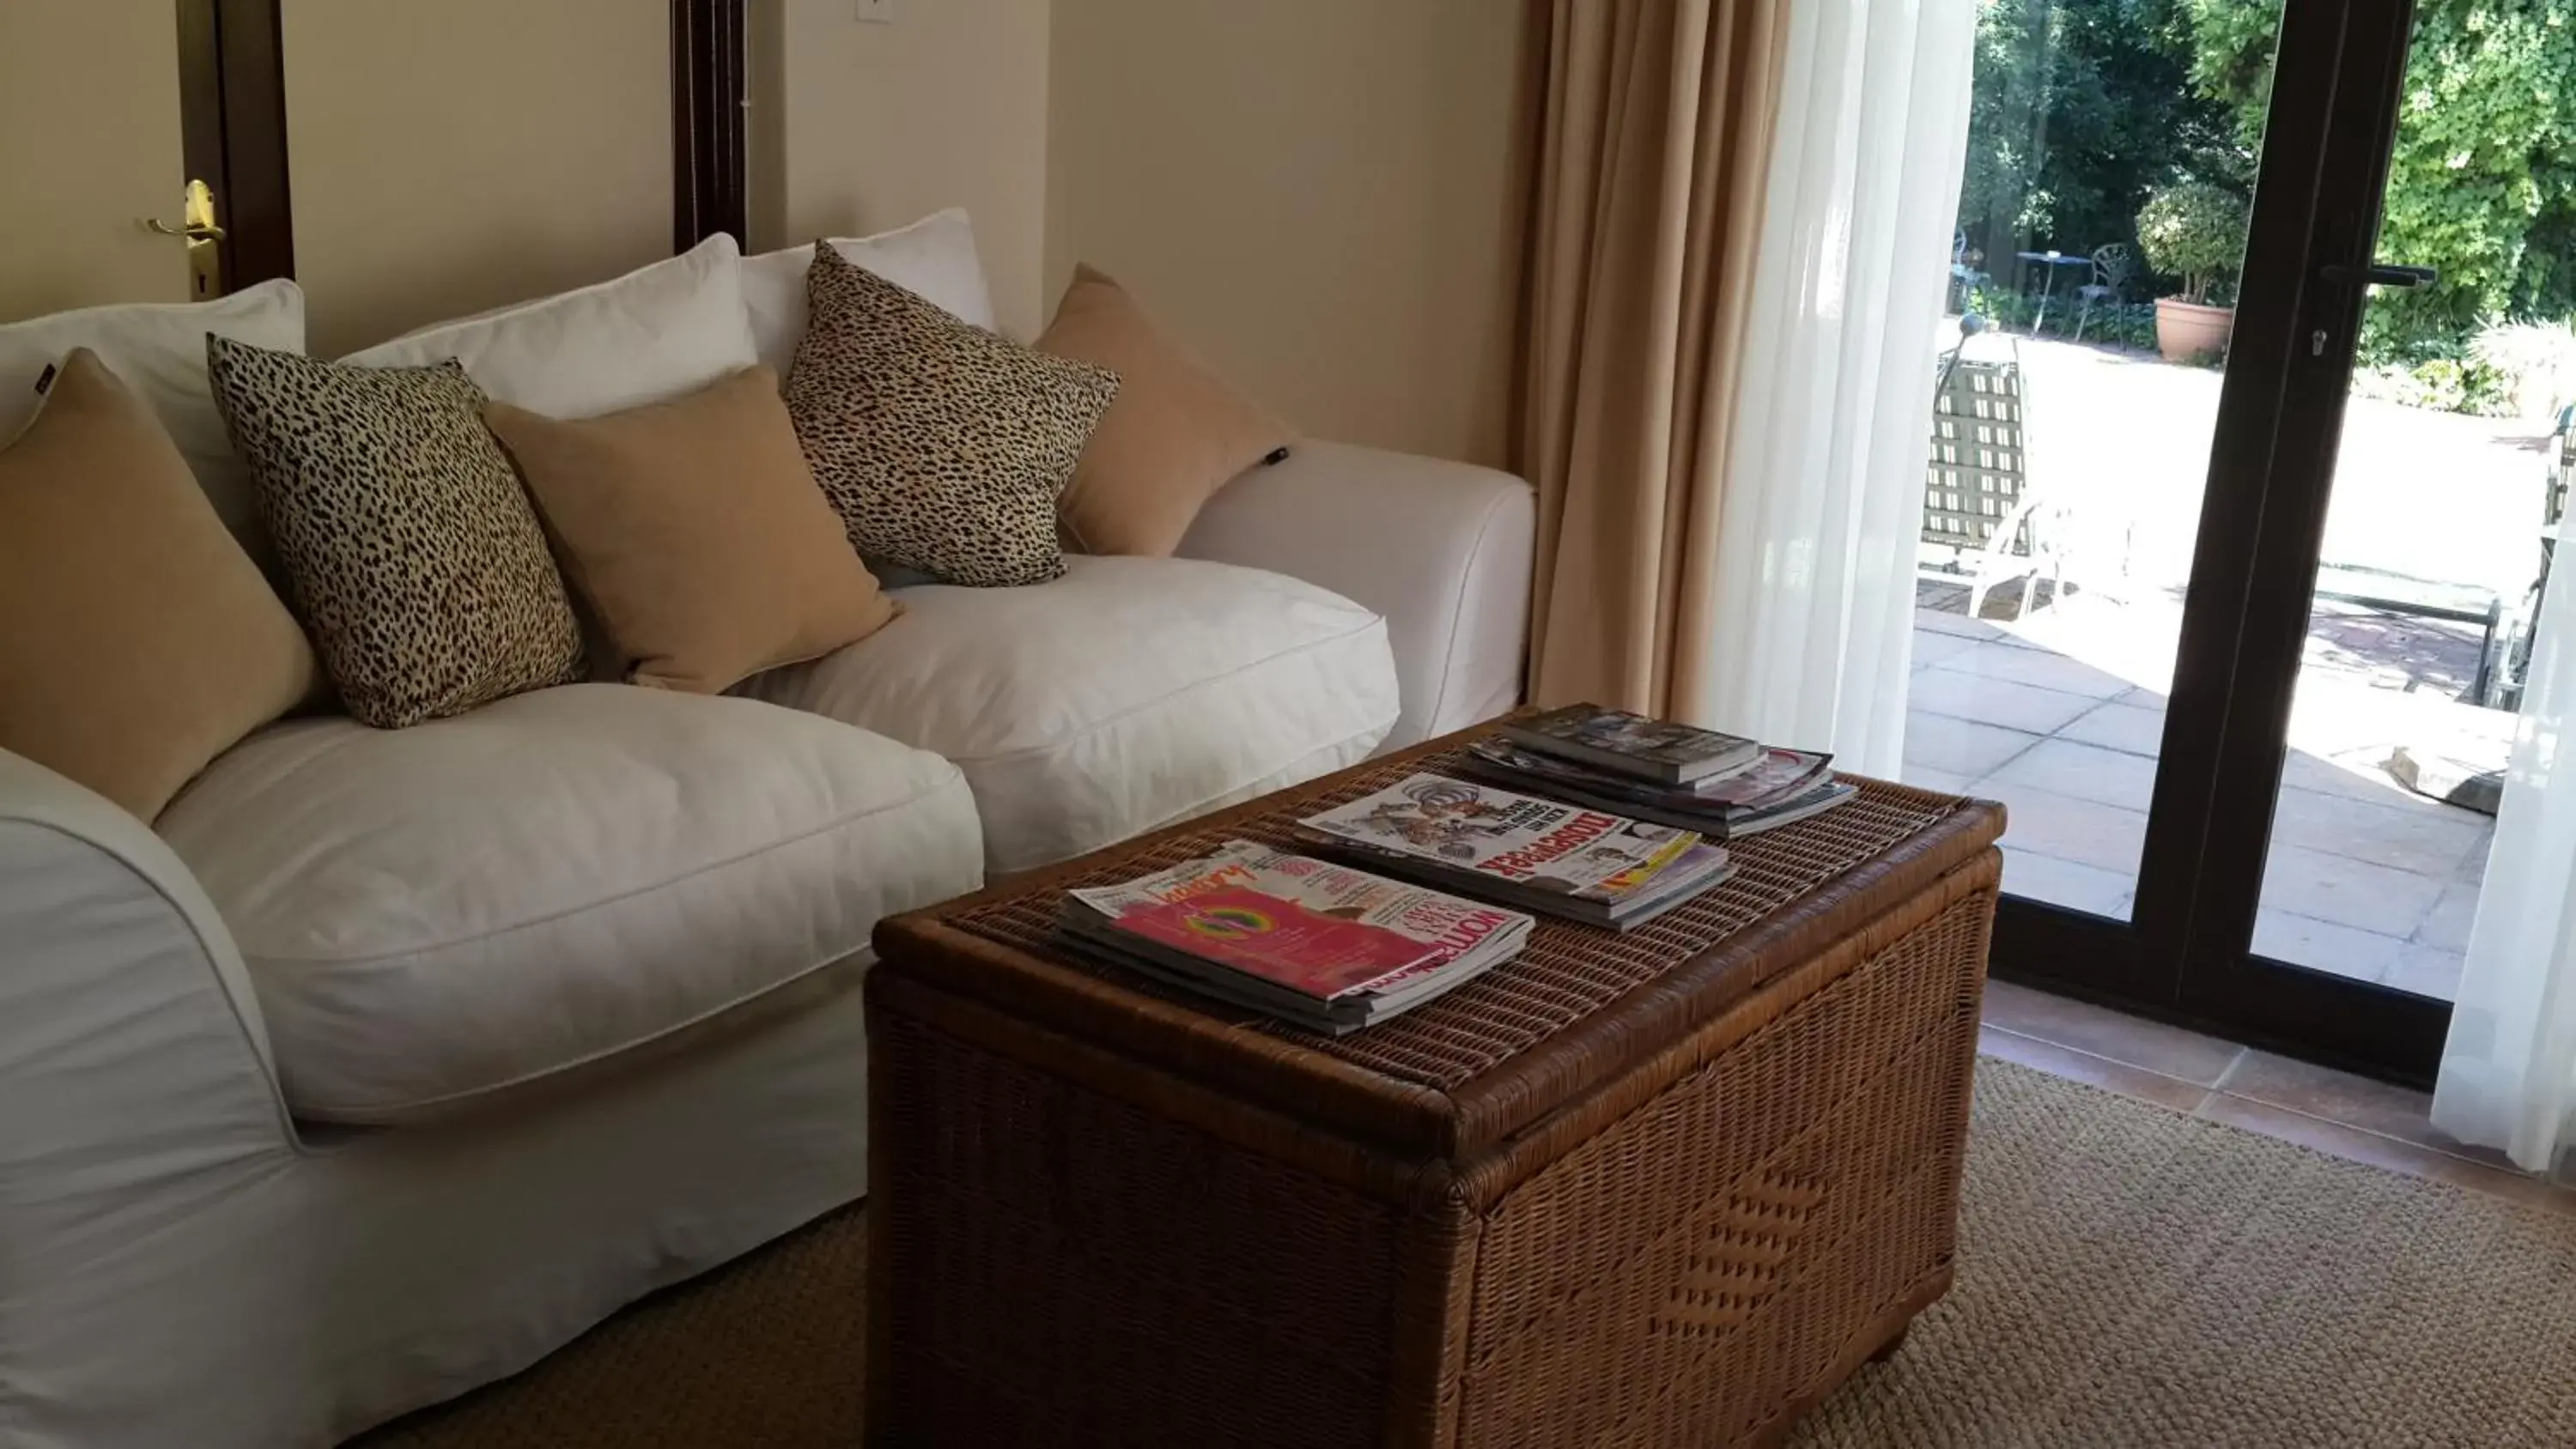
1570	860
1320	944
1787	785
1633	745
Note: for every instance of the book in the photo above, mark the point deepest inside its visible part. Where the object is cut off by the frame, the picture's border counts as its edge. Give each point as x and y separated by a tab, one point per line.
1787	785
1631	744
1317	944
1575	861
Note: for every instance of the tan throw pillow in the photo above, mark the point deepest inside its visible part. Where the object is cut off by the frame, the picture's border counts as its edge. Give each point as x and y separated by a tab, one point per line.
137	640
1175	435
695	531
941	445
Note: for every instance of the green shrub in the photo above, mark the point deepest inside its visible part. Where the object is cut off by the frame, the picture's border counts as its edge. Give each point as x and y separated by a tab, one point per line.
2195	231
2483	182
2534	364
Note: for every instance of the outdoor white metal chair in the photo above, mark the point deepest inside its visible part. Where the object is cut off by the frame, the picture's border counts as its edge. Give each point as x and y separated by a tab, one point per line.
2114	266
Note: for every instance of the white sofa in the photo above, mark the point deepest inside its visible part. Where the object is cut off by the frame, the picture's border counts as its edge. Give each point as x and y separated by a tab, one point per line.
384	1063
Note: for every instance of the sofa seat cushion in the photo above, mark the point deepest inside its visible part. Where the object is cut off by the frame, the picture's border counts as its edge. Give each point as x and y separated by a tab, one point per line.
434	915
1130	693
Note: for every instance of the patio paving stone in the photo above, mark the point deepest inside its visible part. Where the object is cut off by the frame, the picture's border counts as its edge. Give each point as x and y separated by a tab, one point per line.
1949	782
2347	892
2473	870
2326	946
2133	728
2069	884
1931	647
1941	621
2086	772
1993	701
2417	836
2040	667
2446	926
1961	747
2427	971
2086	832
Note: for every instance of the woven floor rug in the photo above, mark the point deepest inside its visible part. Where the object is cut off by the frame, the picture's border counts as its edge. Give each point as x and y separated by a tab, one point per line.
2129	1277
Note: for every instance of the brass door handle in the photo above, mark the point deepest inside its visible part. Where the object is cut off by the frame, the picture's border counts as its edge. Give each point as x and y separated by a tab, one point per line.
192	231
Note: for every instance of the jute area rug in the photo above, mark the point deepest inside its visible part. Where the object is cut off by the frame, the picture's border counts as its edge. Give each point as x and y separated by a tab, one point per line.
2129	1277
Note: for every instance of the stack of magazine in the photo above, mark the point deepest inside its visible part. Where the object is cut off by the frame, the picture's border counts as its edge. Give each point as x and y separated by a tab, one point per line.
1315	944
1565	860
1722	786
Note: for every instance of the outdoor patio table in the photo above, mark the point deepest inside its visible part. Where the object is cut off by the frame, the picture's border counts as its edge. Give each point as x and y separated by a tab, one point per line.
2052	260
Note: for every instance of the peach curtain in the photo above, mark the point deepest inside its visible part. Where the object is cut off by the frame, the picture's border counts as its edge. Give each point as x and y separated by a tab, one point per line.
1657	127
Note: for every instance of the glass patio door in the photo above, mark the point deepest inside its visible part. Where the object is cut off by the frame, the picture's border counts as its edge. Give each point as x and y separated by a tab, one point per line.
2123	533
2409	536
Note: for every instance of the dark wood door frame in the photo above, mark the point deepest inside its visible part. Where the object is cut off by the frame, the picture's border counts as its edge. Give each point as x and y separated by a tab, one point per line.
708	191
232	114
232	108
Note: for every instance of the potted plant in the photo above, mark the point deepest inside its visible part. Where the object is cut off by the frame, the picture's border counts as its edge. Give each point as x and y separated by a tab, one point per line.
2195	231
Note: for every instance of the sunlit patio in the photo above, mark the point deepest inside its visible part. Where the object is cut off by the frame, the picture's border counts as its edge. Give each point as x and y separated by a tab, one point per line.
2059	710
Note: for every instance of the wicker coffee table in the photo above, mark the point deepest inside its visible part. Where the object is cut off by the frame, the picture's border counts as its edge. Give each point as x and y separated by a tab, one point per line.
1660	1188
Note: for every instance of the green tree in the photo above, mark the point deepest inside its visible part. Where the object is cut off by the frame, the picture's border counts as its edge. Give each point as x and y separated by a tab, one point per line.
2483	181
2080	109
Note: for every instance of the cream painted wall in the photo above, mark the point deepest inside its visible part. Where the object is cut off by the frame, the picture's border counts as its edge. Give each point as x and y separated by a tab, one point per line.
89	104
1325	198
860	127
455	156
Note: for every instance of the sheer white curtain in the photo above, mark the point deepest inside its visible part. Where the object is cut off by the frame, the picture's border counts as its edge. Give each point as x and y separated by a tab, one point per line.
1824	478
2509	1071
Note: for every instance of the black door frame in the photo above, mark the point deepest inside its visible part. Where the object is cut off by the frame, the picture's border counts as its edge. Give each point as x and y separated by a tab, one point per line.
232	107
2185	953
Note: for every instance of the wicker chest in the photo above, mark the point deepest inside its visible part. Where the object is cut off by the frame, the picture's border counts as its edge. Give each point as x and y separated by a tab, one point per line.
1660	1188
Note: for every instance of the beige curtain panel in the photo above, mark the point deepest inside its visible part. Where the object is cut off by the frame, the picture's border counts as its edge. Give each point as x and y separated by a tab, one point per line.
1658	121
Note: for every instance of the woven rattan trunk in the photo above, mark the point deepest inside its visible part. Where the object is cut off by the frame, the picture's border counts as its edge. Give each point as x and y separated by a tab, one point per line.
1660	1188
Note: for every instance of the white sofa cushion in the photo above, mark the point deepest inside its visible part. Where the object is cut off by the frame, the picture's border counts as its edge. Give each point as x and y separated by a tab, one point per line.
655	333
434	914
933	258
1128	694
159	350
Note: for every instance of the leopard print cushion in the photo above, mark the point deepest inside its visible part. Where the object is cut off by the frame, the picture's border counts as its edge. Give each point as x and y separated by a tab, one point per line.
417	562
941	445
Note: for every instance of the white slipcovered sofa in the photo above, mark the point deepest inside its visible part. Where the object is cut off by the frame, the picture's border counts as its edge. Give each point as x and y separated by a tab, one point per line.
384	1063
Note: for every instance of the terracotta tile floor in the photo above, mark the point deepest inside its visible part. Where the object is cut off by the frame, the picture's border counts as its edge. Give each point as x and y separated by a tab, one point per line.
2315	1107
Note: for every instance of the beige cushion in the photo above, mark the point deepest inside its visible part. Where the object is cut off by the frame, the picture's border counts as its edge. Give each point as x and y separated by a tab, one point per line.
158	350
941	446
435	915
1173	437
695	531
1130	693
137	640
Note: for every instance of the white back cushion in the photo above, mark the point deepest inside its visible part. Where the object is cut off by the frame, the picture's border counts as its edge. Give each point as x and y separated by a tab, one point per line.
655	333
933	258
159	349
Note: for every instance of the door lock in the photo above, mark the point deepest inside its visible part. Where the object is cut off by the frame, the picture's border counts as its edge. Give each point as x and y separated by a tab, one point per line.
204	237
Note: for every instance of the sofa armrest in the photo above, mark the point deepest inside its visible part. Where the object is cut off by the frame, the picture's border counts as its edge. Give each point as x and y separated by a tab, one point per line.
134	1069
1441	550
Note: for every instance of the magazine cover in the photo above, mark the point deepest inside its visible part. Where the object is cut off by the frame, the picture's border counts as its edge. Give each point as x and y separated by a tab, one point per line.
1449	924
1317	955
1780	775
1517	839
1589	731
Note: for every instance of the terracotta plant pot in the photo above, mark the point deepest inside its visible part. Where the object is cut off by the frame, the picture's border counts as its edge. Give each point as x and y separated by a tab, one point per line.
2186	330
